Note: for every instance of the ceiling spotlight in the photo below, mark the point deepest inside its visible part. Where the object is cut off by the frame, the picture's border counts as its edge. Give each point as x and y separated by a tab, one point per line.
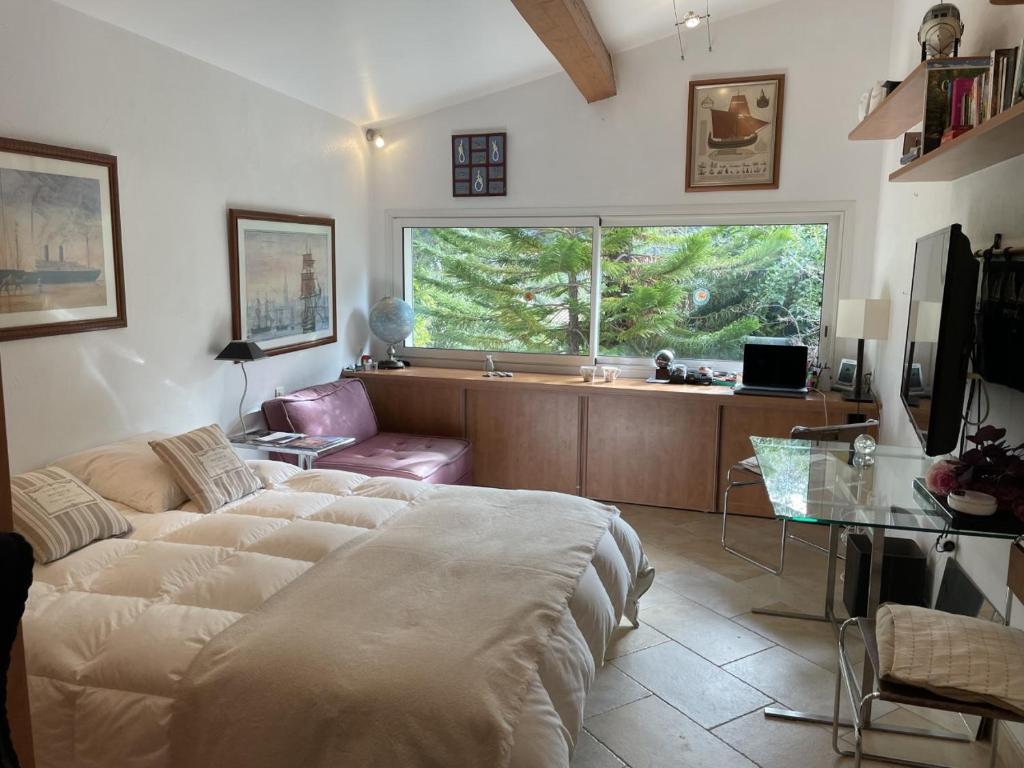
374	137
691	20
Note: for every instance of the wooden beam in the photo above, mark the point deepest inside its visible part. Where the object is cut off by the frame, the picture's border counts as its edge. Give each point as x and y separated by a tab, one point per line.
567	30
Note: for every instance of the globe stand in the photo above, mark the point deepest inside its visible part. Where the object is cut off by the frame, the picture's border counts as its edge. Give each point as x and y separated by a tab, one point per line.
392	363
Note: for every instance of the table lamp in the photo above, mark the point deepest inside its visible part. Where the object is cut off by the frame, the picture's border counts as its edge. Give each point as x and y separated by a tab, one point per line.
242	352
862	319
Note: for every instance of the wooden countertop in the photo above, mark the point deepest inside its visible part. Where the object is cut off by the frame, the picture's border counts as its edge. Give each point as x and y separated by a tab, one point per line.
473	379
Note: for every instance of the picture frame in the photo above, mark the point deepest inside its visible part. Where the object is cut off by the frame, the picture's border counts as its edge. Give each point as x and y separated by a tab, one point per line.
61	264
283	288
846	376
480	164
734	133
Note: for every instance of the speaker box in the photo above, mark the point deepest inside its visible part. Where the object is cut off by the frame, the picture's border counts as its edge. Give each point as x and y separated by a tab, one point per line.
904	573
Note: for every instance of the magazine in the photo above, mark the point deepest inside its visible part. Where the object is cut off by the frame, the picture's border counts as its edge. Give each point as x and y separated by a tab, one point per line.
319	442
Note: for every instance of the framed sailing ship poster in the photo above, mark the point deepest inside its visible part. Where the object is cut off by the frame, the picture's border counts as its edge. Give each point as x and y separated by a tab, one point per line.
60	241
282	280
734	134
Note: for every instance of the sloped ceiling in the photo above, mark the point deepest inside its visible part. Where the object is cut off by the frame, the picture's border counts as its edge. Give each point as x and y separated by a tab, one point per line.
376	60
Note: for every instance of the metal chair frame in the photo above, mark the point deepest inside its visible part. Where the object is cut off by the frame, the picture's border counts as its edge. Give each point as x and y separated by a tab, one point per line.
828	433
860	701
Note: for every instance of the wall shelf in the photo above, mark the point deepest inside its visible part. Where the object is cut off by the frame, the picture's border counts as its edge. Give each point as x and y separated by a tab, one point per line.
997	139
900	111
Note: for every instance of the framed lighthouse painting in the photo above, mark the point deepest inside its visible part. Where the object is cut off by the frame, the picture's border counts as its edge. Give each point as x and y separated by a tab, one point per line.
282	280
60	241
734	135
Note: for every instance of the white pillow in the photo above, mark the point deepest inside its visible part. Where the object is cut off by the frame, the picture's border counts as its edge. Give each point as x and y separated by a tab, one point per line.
128	472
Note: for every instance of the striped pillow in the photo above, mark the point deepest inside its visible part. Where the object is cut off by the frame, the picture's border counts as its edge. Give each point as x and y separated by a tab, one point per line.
57	513
207	467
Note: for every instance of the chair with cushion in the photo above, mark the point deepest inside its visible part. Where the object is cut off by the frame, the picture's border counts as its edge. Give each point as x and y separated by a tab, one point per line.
937	660
749	473
342	408
15	579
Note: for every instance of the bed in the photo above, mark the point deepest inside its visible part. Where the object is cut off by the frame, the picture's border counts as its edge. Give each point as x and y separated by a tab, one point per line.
157	649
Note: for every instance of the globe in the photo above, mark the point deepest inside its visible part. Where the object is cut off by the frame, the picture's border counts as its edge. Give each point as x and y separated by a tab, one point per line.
391	320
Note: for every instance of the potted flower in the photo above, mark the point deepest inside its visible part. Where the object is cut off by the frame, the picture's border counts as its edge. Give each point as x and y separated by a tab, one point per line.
991	467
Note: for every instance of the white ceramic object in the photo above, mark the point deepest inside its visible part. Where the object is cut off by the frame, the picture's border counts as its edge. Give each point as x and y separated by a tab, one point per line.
972	503
588	372
611	373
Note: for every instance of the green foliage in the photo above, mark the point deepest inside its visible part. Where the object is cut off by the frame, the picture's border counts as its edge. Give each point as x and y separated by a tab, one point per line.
528	289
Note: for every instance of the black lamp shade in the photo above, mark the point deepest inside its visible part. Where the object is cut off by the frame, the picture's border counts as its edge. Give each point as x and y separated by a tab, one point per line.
241	352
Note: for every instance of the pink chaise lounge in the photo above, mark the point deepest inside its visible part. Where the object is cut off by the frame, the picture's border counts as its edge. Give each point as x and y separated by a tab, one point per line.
343	408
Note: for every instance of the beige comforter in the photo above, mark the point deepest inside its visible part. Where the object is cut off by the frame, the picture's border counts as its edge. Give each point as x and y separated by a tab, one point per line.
445	612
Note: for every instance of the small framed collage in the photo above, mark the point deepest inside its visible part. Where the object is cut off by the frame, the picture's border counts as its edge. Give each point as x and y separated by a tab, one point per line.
479	165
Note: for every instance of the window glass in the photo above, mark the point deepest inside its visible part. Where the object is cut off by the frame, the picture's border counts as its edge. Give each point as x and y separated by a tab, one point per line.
701	291
501	289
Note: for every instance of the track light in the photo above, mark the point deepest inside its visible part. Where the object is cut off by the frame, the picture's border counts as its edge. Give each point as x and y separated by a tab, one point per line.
691	20
374	137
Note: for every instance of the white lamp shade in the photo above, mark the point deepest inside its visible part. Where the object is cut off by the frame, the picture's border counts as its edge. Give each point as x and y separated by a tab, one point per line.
863	319
924	321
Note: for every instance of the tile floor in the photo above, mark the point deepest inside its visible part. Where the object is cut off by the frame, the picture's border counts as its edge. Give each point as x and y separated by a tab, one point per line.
687	689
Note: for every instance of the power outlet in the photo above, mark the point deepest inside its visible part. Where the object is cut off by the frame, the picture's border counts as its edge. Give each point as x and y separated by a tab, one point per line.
278	391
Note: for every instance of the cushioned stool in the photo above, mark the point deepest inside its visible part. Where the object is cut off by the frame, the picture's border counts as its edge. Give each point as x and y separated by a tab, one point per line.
342	408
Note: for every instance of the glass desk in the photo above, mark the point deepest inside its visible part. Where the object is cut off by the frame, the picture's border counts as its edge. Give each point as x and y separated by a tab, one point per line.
822	484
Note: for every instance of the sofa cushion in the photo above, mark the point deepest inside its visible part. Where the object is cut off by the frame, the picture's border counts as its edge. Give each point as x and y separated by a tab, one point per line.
440	460
339	408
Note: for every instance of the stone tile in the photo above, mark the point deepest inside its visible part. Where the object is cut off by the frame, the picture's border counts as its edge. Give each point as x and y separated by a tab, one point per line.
625	639
691	684
700	629
773	743
709	588
651	734
612	689
793	681
940	751
590	753
814	640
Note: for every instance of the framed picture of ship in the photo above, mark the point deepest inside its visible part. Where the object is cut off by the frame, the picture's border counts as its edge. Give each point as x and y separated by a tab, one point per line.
734	134
282	280
60	241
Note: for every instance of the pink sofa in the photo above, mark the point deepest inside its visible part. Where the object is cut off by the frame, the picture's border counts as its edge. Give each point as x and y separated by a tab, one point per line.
343	408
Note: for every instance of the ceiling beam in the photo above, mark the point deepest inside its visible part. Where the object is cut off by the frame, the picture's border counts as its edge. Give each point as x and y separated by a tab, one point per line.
567	30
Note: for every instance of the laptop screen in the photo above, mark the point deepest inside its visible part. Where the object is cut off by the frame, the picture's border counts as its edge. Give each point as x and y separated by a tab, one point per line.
772	365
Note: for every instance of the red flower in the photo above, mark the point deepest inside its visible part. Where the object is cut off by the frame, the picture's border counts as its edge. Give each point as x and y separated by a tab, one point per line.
941	478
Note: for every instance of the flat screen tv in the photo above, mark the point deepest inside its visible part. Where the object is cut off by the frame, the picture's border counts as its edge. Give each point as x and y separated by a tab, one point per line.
940	334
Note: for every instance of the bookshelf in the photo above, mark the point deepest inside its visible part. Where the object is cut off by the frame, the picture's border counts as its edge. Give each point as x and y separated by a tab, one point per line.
997	139
900	111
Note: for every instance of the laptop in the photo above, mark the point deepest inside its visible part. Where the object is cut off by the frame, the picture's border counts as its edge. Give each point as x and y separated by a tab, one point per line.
772	369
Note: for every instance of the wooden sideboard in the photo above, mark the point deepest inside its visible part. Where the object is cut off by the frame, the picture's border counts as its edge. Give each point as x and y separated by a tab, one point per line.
630	442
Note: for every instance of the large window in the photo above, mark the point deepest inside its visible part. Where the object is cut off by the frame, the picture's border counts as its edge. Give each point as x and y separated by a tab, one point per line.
527	288
701	291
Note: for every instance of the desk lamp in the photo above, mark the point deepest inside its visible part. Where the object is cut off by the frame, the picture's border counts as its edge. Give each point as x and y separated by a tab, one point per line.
242	352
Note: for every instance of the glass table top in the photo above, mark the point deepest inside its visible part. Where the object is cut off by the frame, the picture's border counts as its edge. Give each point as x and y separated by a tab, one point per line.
820	483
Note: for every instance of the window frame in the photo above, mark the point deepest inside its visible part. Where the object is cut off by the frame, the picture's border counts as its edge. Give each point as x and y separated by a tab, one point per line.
536	361
837	216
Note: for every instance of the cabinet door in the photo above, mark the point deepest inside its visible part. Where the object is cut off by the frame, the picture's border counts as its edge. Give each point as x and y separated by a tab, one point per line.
524	439
652	450
418	408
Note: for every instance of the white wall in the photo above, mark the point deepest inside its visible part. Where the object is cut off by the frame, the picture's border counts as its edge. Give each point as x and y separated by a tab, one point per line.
630	150
191	141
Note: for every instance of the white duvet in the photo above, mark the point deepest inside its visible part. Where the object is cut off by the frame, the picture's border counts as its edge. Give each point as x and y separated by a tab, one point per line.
112	629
